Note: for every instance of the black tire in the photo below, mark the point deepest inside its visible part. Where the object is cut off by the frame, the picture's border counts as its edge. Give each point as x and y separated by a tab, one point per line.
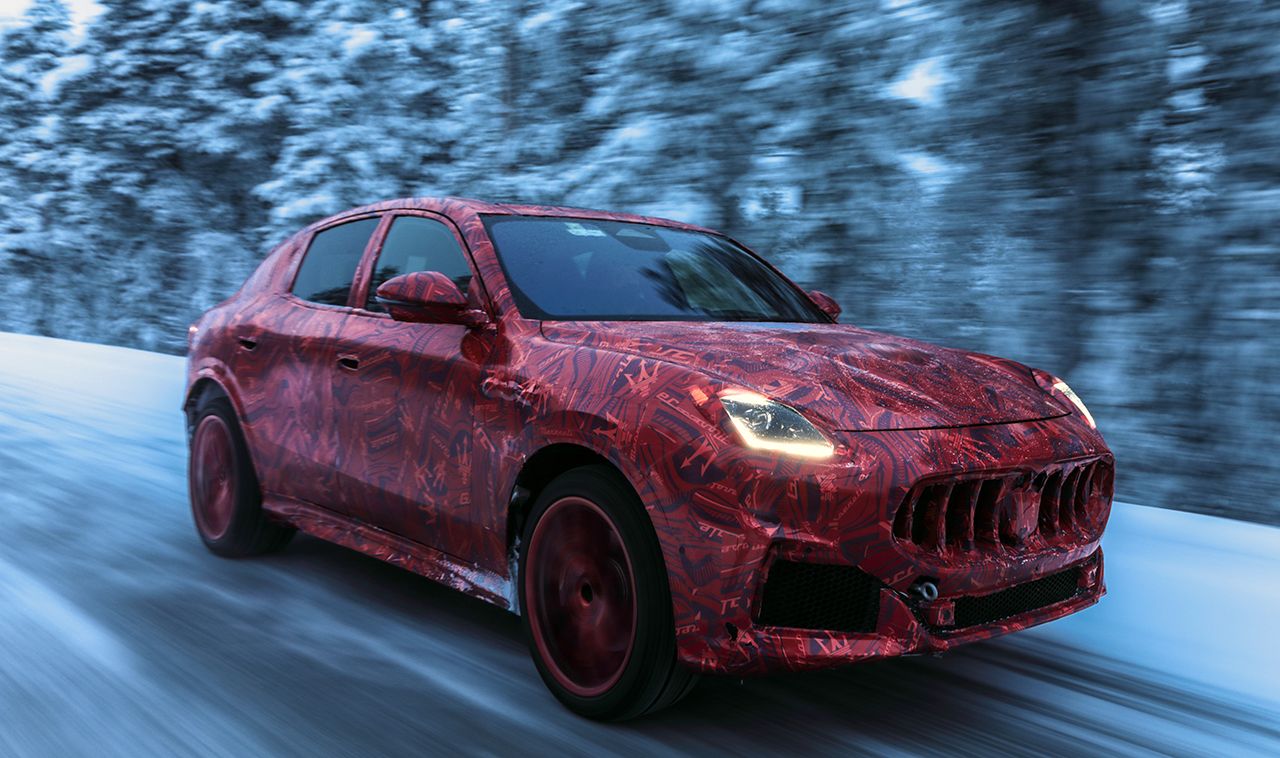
241	528
649	677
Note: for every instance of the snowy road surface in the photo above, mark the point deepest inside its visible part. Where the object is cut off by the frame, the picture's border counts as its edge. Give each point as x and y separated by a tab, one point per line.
121	635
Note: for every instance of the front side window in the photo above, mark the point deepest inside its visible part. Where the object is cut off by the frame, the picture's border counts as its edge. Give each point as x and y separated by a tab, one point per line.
415	243
330	264
567	269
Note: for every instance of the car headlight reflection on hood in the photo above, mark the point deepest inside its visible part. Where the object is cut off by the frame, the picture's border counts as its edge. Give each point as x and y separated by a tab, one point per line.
1055	386
764	424
1067	392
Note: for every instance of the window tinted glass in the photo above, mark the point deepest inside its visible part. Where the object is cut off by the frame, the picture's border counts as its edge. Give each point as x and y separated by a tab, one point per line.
418	244
563	268
330	264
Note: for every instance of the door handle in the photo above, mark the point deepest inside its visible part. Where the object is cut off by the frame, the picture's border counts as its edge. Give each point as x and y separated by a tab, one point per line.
248	344
349	362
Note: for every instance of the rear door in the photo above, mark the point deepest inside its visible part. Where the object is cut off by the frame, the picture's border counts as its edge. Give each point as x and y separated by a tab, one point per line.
406	394
292	360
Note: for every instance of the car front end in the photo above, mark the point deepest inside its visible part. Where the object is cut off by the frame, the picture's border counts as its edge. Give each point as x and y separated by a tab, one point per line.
906	542
791	548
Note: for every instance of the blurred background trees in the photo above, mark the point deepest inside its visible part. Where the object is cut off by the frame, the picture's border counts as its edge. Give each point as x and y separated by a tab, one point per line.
1092	187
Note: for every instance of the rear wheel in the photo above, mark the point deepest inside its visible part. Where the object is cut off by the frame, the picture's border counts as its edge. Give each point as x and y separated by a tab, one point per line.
595	601
226	501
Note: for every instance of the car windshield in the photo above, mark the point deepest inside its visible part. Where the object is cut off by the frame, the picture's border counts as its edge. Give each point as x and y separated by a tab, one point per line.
578	269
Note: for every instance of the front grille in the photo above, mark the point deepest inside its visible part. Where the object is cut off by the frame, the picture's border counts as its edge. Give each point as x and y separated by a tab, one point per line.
1022	598
819	596
1008	511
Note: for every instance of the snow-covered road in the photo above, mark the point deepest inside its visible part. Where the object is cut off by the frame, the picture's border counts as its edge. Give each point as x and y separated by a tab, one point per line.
121	635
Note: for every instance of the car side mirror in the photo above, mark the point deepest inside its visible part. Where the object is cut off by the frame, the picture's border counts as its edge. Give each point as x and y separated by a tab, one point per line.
826	303
427	297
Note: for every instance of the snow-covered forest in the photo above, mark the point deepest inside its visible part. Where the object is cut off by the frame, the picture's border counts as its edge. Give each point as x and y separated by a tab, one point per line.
1091	187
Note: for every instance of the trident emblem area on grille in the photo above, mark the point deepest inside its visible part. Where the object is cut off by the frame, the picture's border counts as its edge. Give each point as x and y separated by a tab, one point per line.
1022	509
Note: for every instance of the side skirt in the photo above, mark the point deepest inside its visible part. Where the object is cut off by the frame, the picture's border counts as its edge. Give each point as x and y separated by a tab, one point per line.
385	546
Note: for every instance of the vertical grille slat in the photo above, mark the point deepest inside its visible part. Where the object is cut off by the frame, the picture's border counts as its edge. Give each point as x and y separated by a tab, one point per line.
1008	521
986	528
971	536
1084	492
1066	502
1049	505
1009	511
902	521
941	500
960	515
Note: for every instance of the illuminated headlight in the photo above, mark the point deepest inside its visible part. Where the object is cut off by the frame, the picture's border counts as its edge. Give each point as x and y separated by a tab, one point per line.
1067	392
767	425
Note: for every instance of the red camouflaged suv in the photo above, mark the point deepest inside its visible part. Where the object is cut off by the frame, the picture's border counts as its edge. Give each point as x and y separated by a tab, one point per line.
637	434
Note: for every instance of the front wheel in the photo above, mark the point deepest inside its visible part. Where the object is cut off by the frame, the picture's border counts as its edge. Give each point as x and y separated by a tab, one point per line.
595	601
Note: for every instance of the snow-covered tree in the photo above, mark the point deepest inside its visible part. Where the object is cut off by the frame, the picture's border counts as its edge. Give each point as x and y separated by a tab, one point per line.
364	99
30	168
166	137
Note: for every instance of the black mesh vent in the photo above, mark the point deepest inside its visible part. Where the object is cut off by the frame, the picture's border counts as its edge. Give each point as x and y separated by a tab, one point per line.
985	609
818	596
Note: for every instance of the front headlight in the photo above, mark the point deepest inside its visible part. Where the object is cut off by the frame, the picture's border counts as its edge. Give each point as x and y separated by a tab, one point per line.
1059	386
768	425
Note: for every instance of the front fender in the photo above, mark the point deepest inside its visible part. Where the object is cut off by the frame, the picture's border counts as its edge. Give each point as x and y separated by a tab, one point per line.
209	369
599	434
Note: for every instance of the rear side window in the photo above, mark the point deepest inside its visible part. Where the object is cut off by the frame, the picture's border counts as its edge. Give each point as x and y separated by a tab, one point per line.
418	244
330	264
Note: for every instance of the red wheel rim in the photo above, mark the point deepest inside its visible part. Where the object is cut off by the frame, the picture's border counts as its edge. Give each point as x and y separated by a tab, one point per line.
212	477
581	596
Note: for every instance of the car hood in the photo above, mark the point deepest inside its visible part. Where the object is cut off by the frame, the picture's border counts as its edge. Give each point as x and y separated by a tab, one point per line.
850	378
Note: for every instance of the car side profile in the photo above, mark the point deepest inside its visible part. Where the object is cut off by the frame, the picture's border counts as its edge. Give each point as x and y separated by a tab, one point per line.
638	435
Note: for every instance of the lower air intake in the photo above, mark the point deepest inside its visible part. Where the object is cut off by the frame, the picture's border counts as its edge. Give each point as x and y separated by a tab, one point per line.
1023	598
819	596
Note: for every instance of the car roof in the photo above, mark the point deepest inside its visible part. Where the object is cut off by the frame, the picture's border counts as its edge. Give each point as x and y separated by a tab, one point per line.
453	206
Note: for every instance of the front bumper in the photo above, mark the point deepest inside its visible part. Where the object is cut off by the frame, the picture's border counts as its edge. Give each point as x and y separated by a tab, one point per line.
903	627
722	535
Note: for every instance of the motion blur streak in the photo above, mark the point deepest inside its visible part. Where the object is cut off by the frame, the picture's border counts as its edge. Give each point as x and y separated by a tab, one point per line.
120	634
1087	186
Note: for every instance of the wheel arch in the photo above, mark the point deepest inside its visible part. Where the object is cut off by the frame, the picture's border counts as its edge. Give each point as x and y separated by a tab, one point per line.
547	462
203	385
539	469
208	380
206	375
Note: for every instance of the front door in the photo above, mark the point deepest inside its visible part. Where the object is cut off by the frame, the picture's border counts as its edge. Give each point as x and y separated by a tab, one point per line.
405	395
285	355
